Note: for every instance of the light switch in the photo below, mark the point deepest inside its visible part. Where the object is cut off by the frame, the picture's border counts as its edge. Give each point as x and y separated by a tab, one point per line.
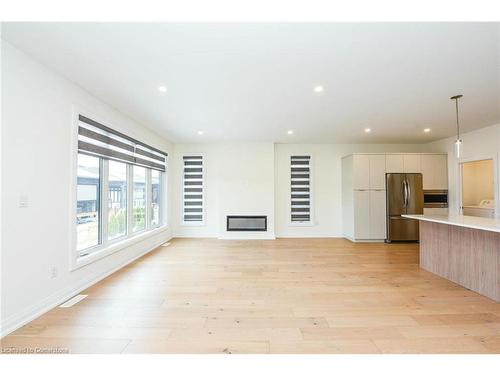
23	201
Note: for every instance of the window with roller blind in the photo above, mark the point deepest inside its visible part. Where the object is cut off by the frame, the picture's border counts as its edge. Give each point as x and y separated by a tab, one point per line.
193	190
118	189
300	189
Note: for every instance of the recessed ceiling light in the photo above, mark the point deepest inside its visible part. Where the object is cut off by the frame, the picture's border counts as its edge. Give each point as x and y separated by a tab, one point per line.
367	130
427	130
318	89
290	132
200	132
162	89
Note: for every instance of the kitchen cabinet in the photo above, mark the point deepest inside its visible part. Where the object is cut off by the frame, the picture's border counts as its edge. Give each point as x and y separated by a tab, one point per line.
434	171
362	214
394	163
411	163
377	214
361	171
377	171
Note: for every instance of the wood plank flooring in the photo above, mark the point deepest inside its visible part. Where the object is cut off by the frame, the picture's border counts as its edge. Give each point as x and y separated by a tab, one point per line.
282	296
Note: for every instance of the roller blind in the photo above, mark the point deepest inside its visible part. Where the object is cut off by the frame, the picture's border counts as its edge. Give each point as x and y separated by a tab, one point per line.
99	140
193	189
300	188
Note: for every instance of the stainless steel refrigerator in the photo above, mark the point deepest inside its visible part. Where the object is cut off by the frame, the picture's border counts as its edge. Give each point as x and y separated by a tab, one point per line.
405	195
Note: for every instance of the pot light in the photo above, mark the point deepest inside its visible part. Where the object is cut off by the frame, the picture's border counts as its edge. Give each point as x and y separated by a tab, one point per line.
162	89
200	132
290	132
367	130
318	89
427	130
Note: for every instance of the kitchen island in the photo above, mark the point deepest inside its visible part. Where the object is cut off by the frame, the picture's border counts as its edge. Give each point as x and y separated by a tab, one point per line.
462	249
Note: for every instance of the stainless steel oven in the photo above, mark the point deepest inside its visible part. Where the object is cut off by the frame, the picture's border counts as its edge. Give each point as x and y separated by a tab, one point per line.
435	198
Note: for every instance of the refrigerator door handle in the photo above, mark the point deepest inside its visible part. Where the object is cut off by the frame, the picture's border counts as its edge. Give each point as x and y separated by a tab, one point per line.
408	193
404	193
405	190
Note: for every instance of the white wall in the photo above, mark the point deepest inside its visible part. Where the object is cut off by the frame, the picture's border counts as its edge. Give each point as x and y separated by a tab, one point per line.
326	185
36	147
479	144
239	180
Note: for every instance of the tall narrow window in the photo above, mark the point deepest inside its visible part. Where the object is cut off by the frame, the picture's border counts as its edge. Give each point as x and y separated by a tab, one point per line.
193	189
88	218
300	178
139	205
155	197
117	200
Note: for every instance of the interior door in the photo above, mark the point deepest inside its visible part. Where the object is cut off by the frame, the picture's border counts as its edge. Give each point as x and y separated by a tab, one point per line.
415	194
396	194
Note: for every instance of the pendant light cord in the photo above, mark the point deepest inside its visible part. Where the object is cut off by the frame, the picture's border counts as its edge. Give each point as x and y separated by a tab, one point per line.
458	126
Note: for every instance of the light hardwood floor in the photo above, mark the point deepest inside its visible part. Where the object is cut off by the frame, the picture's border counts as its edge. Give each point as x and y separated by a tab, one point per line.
282	296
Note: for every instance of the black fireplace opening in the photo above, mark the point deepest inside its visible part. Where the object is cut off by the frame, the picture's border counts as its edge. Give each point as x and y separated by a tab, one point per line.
246	223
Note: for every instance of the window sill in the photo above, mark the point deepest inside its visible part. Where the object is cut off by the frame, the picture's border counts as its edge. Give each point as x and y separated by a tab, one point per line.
78	262
302	224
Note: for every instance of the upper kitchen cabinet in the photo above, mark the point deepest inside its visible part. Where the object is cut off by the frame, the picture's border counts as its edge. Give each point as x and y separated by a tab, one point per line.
411	163
368	172
361	172
435	171
377	172
394	163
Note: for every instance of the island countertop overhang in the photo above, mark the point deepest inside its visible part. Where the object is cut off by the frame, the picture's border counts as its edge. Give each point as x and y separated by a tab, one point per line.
472	222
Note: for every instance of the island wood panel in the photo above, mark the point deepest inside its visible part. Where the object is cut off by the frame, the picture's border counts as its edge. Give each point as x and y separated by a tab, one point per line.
469	257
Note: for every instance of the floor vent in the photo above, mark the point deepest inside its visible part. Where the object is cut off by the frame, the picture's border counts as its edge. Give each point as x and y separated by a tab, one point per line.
73	301
246	223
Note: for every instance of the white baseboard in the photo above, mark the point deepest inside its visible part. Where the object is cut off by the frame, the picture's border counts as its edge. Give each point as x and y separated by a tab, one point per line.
312	235
31	313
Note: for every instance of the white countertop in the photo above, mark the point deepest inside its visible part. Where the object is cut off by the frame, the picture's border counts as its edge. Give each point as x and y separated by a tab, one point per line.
482	223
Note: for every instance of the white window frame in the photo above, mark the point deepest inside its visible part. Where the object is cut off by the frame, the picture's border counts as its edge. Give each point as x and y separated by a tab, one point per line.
107	247
160	216
311	222
203	186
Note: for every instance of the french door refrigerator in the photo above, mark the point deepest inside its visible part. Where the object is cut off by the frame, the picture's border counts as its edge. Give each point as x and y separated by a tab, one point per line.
404	196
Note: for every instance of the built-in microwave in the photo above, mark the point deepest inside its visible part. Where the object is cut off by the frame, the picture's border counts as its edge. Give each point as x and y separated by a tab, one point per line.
435	198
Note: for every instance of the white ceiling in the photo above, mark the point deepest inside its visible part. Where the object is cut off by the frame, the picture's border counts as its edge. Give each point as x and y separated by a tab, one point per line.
253	82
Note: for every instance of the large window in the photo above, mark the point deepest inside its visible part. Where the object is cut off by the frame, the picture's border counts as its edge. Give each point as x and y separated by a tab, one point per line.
155	197
139	219
117	199
88	218
119	187
193	190
300	189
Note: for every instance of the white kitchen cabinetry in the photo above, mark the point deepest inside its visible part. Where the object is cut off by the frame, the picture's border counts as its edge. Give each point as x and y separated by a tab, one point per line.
411	163
361	171
363	188
377	214
434	171
394	163
362	214
377	171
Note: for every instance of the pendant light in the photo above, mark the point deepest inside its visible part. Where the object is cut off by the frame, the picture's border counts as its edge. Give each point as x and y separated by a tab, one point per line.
458	142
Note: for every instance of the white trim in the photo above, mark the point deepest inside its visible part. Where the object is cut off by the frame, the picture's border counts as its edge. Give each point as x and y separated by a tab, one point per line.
203	193
79	262
308	235
34	311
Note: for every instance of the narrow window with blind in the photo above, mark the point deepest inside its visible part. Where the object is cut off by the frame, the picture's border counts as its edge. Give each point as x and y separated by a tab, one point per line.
193	193
300	189
116	178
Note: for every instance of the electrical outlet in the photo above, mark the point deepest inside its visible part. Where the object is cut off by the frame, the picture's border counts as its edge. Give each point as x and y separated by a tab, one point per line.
53	272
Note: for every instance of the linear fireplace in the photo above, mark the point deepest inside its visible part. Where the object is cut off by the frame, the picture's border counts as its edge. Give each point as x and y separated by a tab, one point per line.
246	223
